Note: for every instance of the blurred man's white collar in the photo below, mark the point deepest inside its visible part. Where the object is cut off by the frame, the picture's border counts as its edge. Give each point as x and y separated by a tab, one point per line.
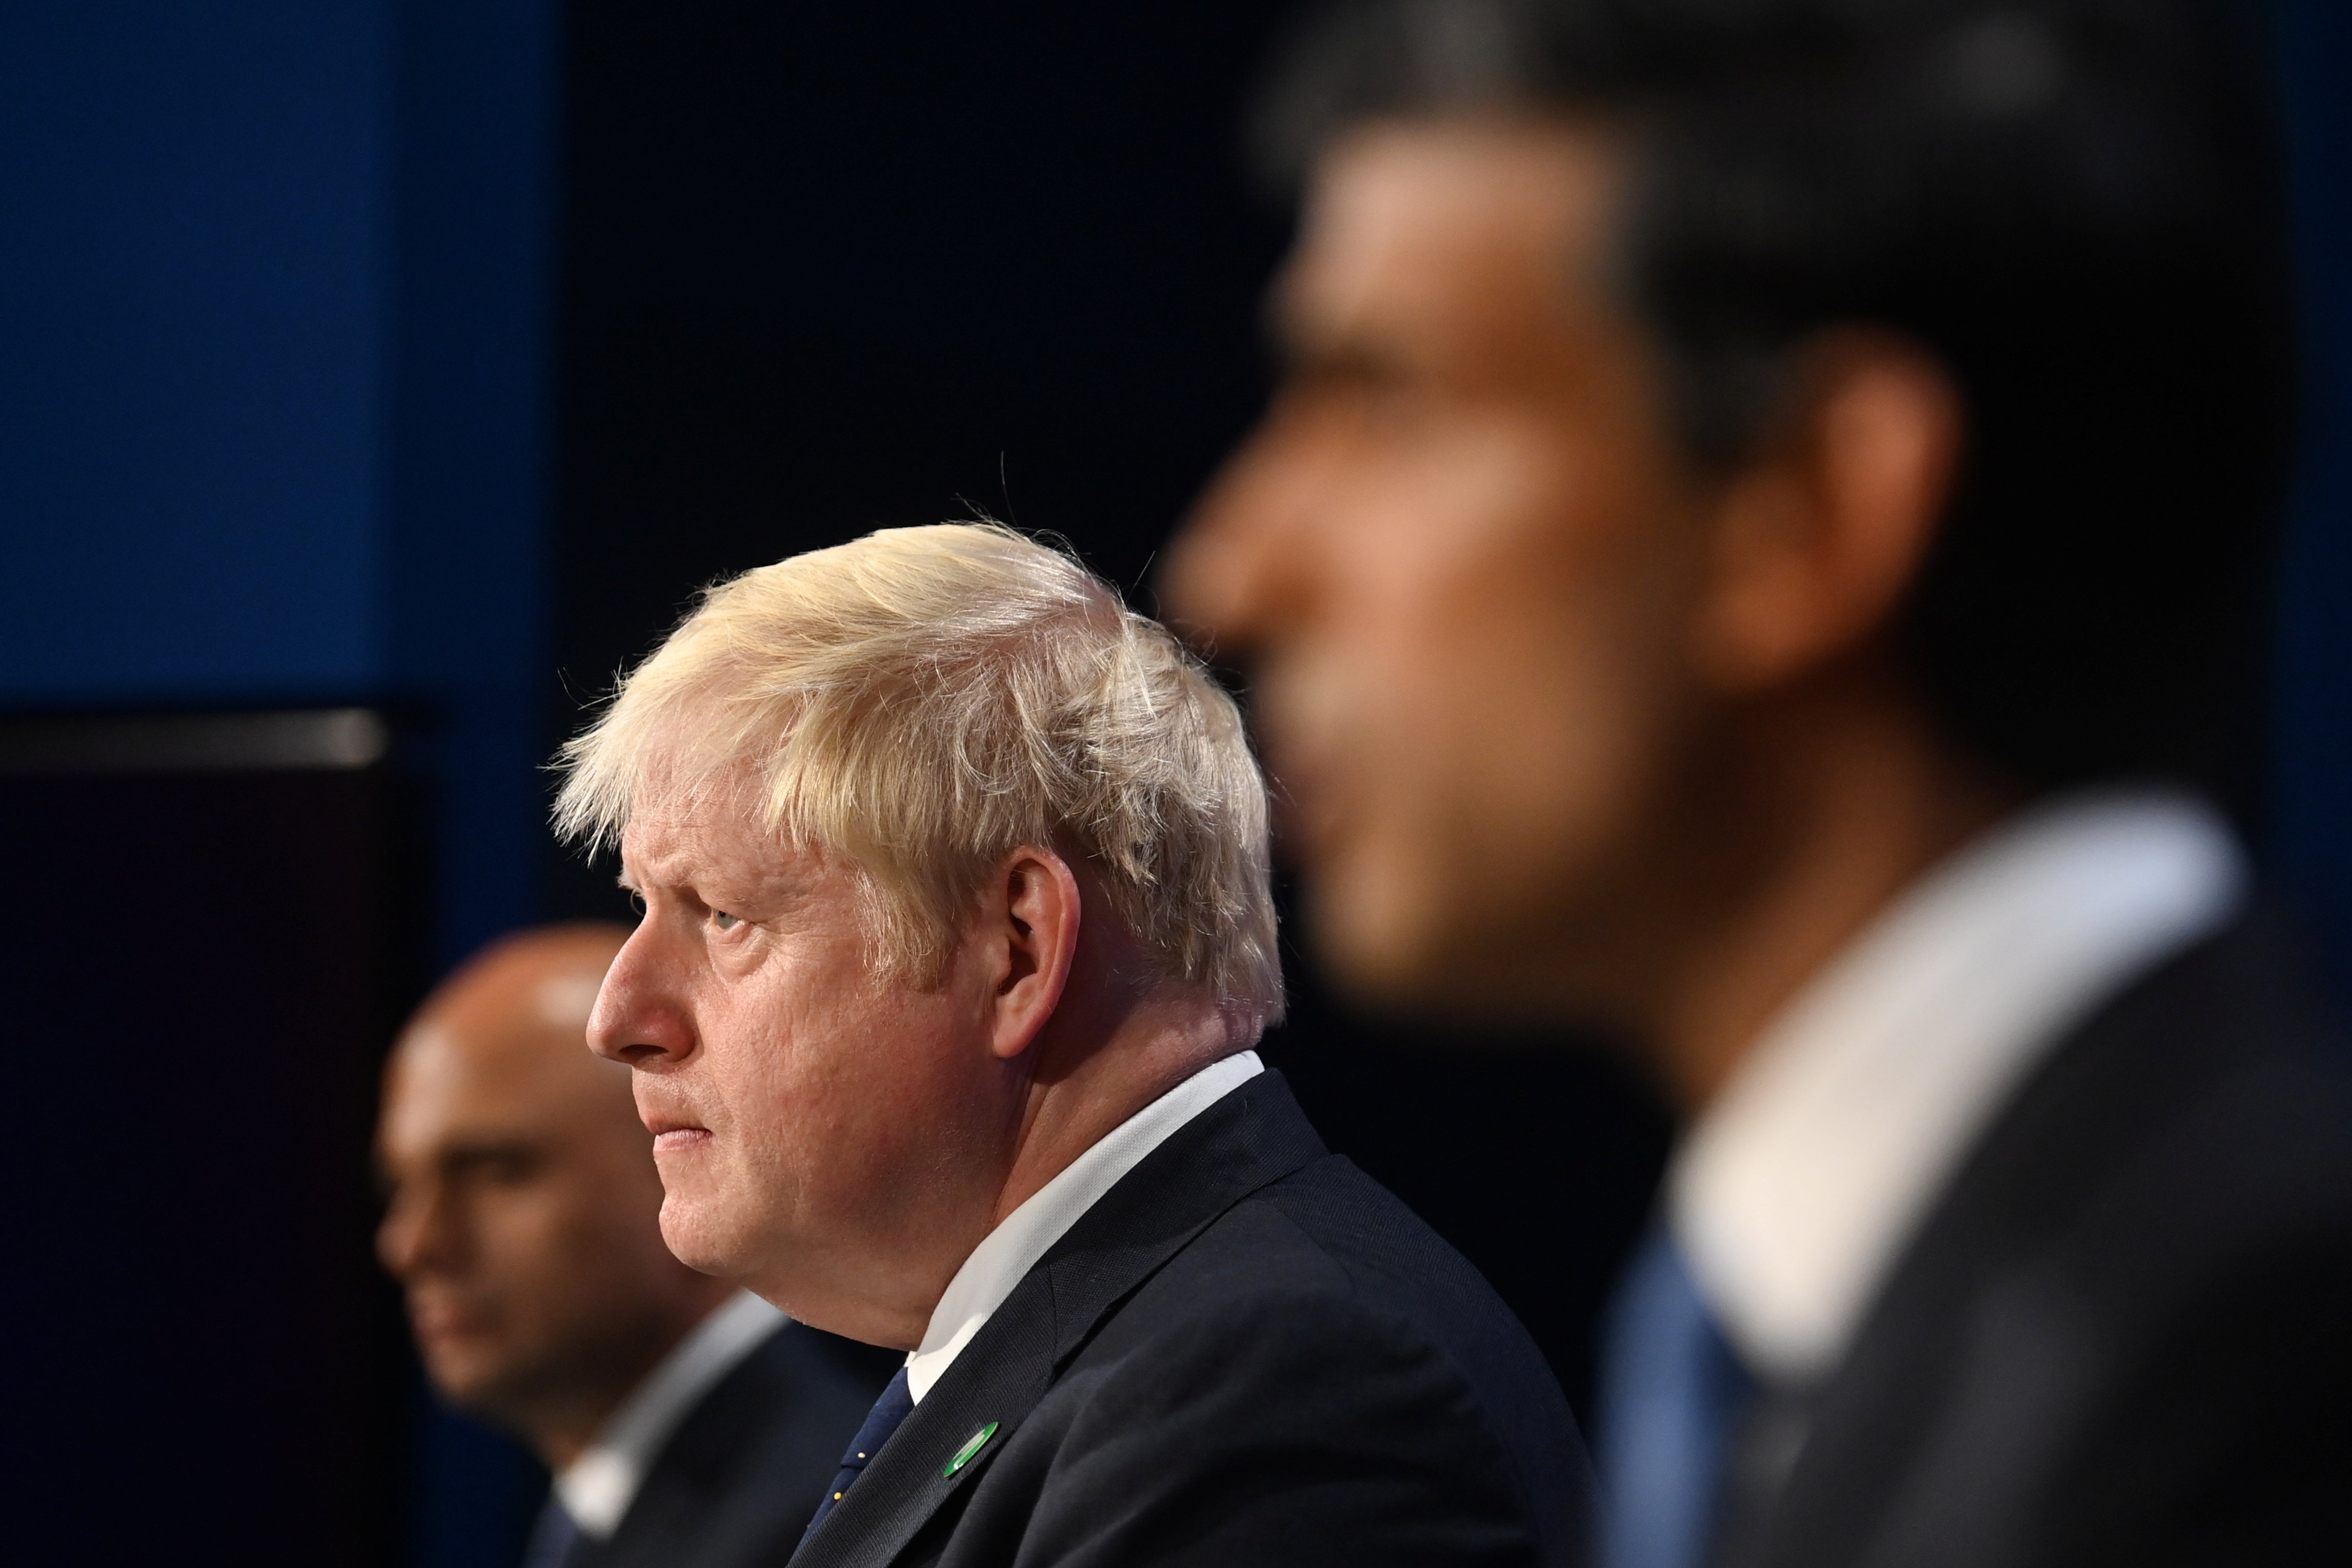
597	1487
1029	1232
1798	1188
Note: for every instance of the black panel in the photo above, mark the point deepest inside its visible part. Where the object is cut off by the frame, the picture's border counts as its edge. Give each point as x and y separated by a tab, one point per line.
201	1359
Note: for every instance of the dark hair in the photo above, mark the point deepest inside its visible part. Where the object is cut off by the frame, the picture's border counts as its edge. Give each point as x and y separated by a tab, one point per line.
2073	203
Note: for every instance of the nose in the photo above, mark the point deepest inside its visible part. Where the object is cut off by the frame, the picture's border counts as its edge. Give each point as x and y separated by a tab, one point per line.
1230	577
417	1235
638	1021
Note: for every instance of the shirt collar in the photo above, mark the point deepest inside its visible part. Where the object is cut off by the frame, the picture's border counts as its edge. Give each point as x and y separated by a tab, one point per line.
1797	1188
597	1487
1029	1232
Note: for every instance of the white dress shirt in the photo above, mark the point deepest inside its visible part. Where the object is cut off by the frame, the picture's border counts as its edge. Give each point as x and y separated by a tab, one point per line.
597	1487
1800	1187
1029	1232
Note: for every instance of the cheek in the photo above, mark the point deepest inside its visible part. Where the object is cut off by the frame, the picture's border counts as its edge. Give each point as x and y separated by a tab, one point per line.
612	1249
796	1067
868	1068
1507	652
755	1043
528	1234
1515	612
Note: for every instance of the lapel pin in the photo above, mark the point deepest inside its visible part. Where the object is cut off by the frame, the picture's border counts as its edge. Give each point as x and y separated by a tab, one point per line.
971	1444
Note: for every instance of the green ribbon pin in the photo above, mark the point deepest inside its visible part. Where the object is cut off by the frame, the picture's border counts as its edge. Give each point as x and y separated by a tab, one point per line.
971	1444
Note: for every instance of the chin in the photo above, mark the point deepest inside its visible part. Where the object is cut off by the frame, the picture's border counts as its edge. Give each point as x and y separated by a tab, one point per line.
1382	969
1395	945
1375	937
470	1381
698	1239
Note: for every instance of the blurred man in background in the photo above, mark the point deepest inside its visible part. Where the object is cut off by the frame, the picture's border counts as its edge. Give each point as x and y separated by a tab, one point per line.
688	1424
1762	546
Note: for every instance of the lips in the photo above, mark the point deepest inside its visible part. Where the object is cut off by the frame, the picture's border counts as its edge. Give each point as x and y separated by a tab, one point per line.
439	1320
1299	733
674	1135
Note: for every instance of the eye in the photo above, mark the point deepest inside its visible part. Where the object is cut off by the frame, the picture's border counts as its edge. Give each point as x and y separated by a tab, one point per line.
724	921
510	1169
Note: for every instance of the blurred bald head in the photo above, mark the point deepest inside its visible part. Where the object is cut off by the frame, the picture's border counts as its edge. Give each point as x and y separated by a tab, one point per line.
524	1212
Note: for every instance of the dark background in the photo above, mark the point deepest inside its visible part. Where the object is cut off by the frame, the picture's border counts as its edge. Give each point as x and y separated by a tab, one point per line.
179	1163
430	354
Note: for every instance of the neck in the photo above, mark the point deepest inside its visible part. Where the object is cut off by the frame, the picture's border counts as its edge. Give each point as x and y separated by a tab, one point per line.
559	1441
1078	1097
1850	796
1108	1051
576	1407
560	1429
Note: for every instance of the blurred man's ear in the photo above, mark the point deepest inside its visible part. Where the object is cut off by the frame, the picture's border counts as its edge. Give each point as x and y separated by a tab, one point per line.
1819	535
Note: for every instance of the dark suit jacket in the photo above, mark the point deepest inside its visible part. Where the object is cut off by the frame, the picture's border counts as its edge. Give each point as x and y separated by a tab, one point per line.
1246	1353
2124	1336
734	1486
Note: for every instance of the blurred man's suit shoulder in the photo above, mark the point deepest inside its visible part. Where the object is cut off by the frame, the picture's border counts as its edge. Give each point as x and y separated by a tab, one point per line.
735	1484
1247	1352
2119	1335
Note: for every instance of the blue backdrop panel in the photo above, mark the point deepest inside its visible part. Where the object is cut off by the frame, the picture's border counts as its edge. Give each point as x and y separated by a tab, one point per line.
465	464
274	287
195	256
2312	837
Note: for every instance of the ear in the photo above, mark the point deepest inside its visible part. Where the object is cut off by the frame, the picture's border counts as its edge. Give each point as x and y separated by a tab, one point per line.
1034	905
1819	538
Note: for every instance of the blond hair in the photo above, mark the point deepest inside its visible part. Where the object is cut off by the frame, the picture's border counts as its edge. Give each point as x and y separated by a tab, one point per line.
922	702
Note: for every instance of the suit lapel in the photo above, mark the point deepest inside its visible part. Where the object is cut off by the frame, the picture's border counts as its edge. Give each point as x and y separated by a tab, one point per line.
999	1378
1254	1136
1978	1347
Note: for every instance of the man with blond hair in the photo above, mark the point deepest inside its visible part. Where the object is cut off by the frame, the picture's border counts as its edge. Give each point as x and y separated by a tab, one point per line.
957	940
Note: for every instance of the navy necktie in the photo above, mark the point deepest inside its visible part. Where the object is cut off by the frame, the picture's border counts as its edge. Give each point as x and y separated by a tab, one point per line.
893	1408
1672	1394
555	1539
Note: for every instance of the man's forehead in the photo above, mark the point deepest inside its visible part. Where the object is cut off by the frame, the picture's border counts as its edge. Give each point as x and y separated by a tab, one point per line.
438	1086
1407	218
673	825
677	839
448	1084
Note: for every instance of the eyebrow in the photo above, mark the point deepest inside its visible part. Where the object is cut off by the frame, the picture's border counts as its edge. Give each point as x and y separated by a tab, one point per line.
464	1150
1304	342
1345	360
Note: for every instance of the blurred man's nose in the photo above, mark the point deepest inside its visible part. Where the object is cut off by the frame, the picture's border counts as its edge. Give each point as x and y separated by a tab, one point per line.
635	1021
1231	578
415	1235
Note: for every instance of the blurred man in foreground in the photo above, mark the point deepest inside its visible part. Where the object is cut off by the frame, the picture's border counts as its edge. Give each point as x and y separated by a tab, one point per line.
688	1424
957	940
1762	545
